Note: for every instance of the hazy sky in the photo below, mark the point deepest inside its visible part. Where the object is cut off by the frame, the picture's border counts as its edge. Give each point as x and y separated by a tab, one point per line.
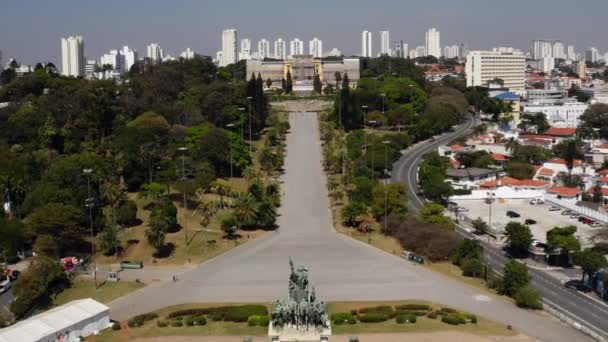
30	30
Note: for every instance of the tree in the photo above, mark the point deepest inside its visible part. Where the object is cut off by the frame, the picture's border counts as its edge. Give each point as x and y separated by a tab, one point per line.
519	239
527	297
570	154
480	226
590	261
520	170
288	83
472	267
152	191
268	83
151	121
563	238
126	214
45	245
109	240
536	121
515	277
62	222
433	213
395	199
37	285
352	212
245	210
113	195
338	78
468	249
229	225
157	230
594	121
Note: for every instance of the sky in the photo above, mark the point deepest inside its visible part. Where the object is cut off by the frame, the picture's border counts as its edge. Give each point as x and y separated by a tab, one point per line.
30	30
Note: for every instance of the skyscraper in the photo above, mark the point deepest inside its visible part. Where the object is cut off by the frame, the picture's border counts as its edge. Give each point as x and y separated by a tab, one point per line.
187	54
245	52
398	49
592	55
451	51
263	49
154	52
385	41
558	50
366	44
315	47
541	48
72	56
130	57
571	54
115	59
296	47
280	51
433	43
229	48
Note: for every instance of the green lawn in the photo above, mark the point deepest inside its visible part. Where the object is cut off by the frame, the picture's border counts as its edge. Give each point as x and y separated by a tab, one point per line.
107	292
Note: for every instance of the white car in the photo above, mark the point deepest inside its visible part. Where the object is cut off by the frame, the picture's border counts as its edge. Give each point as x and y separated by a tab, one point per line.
536	201
462	210
5	286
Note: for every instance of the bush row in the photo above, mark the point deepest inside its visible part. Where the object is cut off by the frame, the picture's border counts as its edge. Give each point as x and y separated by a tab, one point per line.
139	320
237	313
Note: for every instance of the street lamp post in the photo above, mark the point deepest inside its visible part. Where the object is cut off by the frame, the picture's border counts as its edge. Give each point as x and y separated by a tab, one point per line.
89	204
249	101
372	122
183	149
364	135
229	126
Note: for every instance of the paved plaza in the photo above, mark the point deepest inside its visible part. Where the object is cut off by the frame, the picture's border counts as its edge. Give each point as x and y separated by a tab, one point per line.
341	268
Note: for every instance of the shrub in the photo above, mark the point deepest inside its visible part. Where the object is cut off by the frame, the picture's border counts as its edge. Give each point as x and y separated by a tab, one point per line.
447	310
453	319
341	317
383	309
400	319
162	324
237	313
413	307
139	320
115	326
126	214
527	297
177	324
189	321
432	315
258	320
472	267
199	320
352	320
373	317
409	318
473	319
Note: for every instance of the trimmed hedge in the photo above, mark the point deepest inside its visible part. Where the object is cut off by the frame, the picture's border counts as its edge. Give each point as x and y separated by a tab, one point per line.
177	324
411	318
456	318
237	313
162	324
380	308
258	320
406	312
406	307
373	317
342	317
139	320
432	315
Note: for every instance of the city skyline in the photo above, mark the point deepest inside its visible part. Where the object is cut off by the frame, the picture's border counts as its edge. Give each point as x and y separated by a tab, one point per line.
199	26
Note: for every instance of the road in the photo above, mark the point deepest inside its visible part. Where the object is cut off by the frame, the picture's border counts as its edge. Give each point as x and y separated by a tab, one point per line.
586	311
341	268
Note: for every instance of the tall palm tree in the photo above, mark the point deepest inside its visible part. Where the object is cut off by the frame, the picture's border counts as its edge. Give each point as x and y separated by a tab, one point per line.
245	210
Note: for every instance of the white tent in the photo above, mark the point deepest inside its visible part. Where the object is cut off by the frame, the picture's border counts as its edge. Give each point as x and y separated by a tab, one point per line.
66	323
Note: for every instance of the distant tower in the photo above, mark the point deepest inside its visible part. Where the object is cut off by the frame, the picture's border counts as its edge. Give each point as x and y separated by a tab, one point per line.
279	49
263	49
229	48
385	39
366	44
245	52
154	52
296	47
315	47
72	56
433	43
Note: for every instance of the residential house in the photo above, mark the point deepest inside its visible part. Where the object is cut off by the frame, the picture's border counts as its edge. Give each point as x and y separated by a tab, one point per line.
469	178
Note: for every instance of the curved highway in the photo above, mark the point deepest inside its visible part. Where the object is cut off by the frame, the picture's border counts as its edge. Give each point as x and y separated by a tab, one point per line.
585	313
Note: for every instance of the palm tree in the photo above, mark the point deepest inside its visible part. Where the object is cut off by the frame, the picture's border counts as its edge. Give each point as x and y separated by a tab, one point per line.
113	195
512	145
245	210
220	189
155	237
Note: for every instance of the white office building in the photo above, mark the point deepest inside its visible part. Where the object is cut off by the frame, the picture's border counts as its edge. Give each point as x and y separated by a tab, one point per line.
280	51
433	43
546	64
187	54
315	47
90	69
592	55
296	47
263	48
333	53
130	57
245	53
560	113
115	59
72	56
541	48
385	43
503	63
452	51
366	44
154	52
419	51
229	48
571	54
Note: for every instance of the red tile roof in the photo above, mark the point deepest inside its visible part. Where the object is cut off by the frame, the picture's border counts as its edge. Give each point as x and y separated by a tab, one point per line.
603	179
564	191
509	181
546	171
575	162
602	146
604	191
532	183
603	172
536	136
561	132
498	157
456	147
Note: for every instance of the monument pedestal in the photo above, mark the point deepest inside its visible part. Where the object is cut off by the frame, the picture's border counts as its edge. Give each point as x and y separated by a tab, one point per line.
292	333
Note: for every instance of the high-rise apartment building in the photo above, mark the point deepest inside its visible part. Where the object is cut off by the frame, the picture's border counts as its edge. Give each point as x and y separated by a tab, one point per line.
558	50
452	51
263	49
581	69
366	44
72	56
592	55
571	53
400	49
129	56
90	68
503	63
280	51
229	48
433	43
385	43
296	47
187	54
546	64
315	47
245	53
115	59
154	52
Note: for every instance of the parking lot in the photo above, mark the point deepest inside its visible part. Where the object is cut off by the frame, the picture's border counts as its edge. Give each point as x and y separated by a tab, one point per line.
546	220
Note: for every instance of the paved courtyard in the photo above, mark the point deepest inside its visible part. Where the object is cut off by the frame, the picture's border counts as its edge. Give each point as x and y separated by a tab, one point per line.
341	268
546	219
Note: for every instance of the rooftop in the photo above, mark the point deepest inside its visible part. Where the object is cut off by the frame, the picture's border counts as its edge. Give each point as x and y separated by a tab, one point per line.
564	191
561	131
469	172
561	161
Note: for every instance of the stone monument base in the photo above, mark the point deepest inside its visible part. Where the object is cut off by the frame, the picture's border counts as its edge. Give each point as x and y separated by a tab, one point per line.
292	333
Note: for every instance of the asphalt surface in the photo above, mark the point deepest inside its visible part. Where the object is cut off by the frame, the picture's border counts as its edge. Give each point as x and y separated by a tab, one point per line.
586	311
341	268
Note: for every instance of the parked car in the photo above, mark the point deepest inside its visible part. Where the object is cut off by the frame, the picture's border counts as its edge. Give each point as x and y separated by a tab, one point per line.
512	214
462	210
585	220
5	285
575	215
566	212
530	221
596	225
536	201
554	208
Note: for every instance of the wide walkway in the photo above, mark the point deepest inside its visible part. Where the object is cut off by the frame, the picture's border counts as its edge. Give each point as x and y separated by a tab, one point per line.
342	269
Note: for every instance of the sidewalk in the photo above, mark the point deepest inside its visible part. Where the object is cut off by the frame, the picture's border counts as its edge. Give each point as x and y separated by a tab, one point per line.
146	274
